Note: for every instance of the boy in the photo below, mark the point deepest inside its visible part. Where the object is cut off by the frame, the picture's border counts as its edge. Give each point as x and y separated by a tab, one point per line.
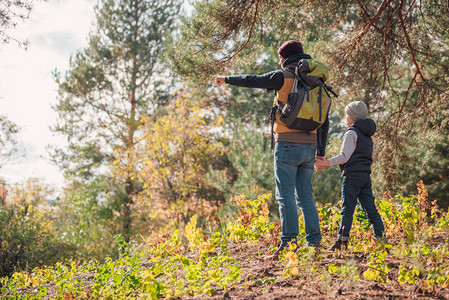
355	159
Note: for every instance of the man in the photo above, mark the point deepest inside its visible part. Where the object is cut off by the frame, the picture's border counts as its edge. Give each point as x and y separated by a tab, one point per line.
294	152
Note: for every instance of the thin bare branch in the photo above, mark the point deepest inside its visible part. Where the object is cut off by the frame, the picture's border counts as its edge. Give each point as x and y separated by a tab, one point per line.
254	19
386	66
399	111
374	20
357	40
409	44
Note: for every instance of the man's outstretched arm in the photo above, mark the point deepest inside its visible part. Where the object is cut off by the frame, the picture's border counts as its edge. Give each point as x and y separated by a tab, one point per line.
270	81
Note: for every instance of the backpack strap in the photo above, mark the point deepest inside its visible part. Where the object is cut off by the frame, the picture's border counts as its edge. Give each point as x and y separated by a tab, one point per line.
272	120
319	101
328	89
300	80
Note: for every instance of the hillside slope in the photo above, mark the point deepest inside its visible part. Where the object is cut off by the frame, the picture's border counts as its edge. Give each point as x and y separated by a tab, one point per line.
231	262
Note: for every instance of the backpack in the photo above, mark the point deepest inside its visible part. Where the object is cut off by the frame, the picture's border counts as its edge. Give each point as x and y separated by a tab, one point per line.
305	110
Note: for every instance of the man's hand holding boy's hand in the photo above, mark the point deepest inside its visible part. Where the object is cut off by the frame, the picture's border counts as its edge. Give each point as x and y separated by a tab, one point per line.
320	163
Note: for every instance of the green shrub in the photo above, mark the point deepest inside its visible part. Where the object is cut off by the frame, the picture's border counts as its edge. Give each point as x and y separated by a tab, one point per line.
27	239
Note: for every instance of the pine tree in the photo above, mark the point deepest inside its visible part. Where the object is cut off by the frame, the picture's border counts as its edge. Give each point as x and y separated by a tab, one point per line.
110	85
11	12
391	54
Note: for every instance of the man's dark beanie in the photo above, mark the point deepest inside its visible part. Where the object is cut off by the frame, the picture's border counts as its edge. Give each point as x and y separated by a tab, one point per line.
290	48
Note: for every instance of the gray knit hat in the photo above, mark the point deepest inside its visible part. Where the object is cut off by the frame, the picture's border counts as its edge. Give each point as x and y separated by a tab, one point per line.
356	110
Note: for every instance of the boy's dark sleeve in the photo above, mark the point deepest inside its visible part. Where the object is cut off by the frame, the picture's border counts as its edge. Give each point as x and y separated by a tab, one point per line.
322	138
271	81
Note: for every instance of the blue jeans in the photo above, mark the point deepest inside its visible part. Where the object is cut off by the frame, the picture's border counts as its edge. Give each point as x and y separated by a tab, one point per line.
293	170
358	185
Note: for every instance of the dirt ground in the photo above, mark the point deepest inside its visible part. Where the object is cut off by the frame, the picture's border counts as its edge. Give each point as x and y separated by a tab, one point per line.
262	278
254	269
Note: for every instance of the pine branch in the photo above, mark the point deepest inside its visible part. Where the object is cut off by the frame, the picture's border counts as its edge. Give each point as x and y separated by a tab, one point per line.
256	9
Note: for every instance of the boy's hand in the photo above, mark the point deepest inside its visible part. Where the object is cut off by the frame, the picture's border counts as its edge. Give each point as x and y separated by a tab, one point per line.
219	80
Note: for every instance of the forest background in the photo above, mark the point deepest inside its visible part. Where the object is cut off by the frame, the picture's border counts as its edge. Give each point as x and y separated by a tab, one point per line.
151	140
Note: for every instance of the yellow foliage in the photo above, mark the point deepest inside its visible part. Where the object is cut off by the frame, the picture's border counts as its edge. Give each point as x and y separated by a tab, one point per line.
196	238
295	271
370	275
172	158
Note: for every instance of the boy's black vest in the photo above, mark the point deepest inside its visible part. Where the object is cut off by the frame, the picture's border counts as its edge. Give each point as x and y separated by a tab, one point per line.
362	157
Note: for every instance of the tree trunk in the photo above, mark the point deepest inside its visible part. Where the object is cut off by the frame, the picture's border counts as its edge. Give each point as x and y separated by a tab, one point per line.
126	209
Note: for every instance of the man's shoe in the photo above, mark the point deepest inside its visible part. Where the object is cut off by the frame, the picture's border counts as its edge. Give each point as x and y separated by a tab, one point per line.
314	245
338	245
384	242
275	255
382	239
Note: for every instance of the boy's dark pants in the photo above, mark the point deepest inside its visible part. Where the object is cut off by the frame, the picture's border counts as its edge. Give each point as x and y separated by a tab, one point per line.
358	185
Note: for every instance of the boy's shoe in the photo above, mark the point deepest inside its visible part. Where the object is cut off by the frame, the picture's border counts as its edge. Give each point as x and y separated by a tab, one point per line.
338	245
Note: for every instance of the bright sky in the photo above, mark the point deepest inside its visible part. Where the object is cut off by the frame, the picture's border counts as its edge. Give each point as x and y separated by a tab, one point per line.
56	29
